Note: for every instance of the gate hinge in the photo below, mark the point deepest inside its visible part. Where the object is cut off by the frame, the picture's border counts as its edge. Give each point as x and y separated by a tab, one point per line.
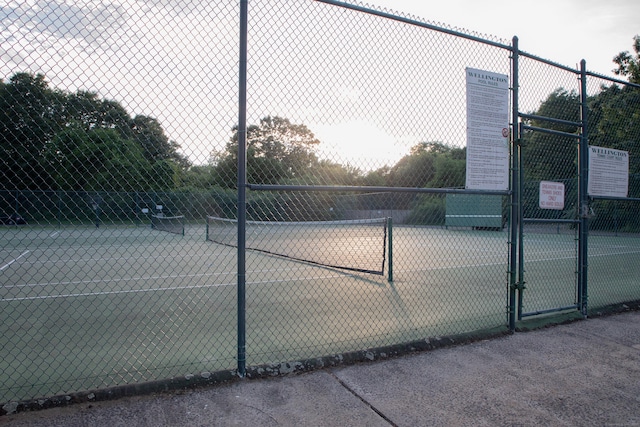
518	286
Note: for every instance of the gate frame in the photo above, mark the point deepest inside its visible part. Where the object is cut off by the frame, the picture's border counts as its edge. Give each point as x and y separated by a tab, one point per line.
517	286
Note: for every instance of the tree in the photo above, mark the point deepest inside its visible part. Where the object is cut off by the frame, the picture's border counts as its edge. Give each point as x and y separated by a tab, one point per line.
418	168
615	121
156	146
376	178
327	172
547	156
96	160
428	165
628	65
277	150
199	177
39	125
450	169
30	115
86	110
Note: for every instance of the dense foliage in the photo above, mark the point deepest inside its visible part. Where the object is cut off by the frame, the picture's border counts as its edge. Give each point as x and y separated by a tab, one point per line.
613	122
54	140
51	140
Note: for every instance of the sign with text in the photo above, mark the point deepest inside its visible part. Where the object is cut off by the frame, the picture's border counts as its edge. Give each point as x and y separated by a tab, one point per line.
608	172
551	195
487	130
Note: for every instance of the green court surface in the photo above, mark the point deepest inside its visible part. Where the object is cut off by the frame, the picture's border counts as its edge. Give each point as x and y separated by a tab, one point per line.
87	308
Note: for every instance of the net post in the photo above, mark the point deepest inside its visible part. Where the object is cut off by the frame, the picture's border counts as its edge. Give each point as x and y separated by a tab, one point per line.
390	248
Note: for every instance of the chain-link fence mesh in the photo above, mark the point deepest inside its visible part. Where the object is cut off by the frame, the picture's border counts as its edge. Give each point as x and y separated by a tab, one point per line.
549	263
119	189
367	92
109	117
613	223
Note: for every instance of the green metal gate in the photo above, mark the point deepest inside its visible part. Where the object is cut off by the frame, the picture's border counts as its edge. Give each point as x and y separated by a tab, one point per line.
552	210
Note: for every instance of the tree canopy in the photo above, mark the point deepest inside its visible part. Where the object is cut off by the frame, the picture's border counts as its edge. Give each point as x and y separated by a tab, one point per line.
548	156
277	150
55	140
629	64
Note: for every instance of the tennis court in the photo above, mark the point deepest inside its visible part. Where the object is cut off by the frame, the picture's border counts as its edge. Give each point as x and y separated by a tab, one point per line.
86	308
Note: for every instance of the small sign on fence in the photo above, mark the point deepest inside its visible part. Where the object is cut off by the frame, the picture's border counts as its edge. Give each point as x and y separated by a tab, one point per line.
551	195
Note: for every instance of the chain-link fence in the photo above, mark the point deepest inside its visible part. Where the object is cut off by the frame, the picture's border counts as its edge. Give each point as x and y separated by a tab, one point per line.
151	237
613	221
549	154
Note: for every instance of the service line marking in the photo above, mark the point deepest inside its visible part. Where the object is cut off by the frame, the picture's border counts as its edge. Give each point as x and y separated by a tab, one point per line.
14	260
137	291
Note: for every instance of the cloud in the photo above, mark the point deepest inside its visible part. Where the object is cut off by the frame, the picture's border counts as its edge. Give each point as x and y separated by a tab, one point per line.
180	7
90	22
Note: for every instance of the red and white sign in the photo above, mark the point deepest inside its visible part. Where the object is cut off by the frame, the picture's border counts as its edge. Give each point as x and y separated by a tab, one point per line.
551	195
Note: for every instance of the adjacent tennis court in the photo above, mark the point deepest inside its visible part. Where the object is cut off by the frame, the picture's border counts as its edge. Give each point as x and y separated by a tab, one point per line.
90	307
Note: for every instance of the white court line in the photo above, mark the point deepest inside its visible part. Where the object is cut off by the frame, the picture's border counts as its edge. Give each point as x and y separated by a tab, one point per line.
131	259
14	260
612	254
527	260
127	279
590	255
451	267
117	279
128	291
135	291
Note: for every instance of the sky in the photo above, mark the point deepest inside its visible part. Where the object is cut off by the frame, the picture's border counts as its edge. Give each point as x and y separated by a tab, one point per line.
176	60
563	31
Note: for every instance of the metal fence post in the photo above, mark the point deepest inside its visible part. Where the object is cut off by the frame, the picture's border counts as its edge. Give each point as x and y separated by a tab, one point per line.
582	189
242	181
390	248
515	211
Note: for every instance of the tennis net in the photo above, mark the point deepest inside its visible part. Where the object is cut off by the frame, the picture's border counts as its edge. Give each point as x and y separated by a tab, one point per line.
170	224
355	245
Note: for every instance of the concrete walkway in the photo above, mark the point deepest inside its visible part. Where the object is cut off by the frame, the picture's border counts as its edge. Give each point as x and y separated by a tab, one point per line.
586	373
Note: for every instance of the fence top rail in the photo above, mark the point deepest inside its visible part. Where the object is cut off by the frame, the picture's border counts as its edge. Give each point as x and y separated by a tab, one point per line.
414	22
548	62
612	79
422	24
368	189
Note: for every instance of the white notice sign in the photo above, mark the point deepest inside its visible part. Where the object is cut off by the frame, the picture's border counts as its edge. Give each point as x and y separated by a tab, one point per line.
487	130
551	195
608	172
